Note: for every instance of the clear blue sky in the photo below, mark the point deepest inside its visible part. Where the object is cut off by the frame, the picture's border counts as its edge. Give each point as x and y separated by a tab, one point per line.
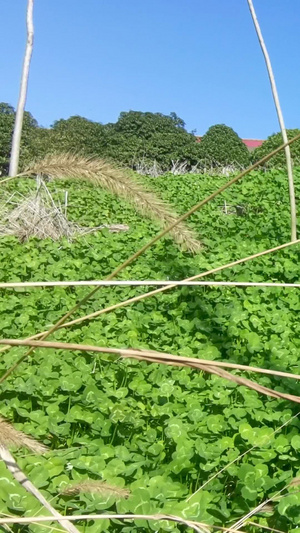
199	58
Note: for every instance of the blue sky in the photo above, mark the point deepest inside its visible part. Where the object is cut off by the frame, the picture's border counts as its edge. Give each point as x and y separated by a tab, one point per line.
199	58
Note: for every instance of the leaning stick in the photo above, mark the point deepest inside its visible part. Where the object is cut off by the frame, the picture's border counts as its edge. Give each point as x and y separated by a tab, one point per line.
21	478
212	367
145	283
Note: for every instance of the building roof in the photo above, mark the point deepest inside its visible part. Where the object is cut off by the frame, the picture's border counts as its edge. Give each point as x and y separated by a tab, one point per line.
250	143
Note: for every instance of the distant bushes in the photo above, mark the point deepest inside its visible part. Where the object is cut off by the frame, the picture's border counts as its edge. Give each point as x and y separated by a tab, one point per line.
150	143
221	145
273	142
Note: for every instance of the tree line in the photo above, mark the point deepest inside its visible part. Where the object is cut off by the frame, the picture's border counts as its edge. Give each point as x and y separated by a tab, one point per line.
136	137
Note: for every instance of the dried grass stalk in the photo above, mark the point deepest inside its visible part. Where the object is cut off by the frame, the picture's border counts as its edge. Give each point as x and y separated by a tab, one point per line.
212	367
9	436
196	526
295	482
99	487
101	174
36	215
23	480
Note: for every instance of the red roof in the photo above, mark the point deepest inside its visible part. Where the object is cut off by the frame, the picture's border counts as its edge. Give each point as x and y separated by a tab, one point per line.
250	143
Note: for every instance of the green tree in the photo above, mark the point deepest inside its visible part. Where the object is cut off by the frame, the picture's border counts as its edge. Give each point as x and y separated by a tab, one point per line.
7	121
78	134
75	135
150	137
272	142
222	146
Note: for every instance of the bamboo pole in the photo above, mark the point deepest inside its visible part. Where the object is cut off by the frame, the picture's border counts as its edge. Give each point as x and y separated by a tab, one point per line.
22	479
16	140
146	283
137	254
280	120
169	359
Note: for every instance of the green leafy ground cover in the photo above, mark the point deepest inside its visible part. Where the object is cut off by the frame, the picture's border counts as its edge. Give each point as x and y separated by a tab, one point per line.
162	432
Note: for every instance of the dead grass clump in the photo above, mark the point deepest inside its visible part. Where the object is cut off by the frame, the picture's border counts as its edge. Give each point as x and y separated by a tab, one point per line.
101	174
35	215
38	215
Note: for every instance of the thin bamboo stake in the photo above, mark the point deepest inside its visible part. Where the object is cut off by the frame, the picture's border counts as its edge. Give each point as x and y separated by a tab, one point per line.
265	441
21	478
280	120
16	140
143	296
146	283
190	523
133	257
151	356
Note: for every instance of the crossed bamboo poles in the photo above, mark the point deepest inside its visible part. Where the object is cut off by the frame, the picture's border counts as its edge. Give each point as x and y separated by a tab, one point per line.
155	356
62	321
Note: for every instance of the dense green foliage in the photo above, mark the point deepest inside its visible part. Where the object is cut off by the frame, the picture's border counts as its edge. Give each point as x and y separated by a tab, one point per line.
7	120
221	145
134	139
161	431
76	134
272	143
150	137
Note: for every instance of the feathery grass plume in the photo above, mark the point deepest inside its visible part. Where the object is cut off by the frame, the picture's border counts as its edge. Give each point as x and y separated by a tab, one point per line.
295	482
92	486
9	436
117	181
268	508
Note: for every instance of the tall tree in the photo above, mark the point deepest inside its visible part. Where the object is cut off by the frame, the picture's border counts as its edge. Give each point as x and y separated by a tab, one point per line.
149	137
221	145
16	140
280	120
30	140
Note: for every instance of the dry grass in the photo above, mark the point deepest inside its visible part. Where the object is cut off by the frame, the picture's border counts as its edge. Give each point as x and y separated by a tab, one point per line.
99	487
9	436
117	181
212	367
35	215
38	215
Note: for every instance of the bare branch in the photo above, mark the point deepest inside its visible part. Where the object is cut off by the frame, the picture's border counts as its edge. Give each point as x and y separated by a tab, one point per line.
16	140
280	120
13	467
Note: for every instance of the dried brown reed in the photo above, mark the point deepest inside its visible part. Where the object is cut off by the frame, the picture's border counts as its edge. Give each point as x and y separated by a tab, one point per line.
98	487
38	215
35	215
200	527
212	367
101	174
9	436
